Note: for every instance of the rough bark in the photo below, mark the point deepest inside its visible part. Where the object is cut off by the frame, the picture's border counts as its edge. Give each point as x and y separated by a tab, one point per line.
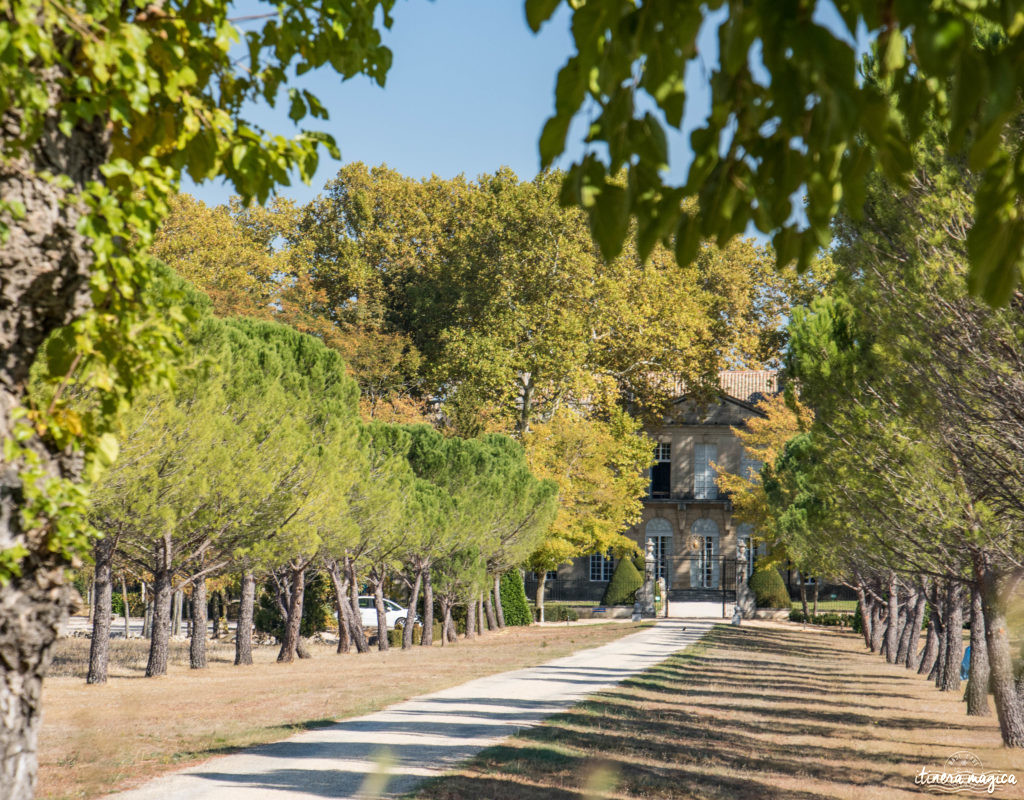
382	619
448	635
995	589
954	638
99	648
355	622
539	598
977	680
290	638
892	628
162	592
216	606
413	600
877	626
471	619
481	623
427	639
197	647
44	284
246	611
931	643
916	621
906	623
127	609
176	604
492	621
346	627
499	612
867	605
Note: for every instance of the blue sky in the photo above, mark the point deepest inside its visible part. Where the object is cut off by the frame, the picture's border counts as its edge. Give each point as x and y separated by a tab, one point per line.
468	92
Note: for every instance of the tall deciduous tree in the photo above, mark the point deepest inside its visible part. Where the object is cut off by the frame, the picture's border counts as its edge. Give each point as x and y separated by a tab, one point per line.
104	106
790	114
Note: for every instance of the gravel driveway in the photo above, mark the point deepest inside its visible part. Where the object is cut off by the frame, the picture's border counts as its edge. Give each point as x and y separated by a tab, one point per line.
388	753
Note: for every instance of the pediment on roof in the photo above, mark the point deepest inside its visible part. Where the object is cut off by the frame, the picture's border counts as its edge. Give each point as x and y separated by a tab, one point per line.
725	410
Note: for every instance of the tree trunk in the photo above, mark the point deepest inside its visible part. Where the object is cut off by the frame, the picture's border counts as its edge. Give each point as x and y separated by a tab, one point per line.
215	610
471	619
803	594
355	620
427	639
127	610
162	591
176	603
539	597
45	264
930	654
995	590
290	640
147	613
246	610
499	612
867	605
492	621
954	638
382	618
916	621
411	617
353	629
340	585
99	648
892	629
481	623
977	679
877	626
197	647
447	625
906	623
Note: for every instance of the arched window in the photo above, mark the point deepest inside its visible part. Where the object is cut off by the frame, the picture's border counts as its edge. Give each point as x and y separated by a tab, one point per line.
704	566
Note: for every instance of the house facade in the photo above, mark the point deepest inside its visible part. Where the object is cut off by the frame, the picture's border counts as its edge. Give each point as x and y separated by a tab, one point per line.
696	541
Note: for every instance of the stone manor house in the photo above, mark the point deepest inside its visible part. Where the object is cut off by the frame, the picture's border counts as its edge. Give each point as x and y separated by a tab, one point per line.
696	541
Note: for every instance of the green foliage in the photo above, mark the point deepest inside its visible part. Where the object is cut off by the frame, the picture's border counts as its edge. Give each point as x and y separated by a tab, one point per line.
163	81
136	608
317	607
858	623
797	114
769	589
831	620
558	612
513	599
621	589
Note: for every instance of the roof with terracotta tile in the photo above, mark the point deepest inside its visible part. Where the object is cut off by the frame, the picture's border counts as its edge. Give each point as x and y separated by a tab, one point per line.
749	385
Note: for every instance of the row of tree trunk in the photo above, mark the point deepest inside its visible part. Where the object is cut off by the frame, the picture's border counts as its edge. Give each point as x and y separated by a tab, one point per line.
893	615
484	613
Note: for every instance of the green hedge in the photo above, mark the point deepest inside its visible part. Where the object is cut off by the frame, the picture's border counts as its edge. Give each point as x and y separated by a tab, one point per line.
621	589
558	612
830	620
769	589
513	599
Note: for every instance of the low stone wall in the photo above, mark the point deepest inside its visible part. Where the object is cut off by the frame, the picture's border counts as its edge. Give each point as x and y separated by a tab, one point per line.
604	612
771	613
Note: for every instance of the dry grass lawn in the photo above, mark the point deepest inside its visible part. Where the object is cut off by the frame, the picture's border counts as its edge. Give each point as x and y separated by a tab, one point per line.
96	739
763	712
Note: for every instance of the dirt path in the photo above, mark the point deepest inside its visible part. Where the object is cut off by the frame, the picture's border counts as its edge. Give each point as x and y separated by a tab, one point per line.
404	744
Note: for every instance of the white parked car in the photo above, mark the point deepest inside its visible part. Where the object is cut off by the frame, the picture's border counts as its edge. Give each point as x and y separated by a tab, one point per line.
394	613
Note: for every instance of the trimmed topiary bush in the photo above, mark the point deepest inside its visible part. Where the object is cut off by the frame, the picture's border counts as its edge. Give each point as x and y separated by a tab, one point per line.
621	589
769	589
513	599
